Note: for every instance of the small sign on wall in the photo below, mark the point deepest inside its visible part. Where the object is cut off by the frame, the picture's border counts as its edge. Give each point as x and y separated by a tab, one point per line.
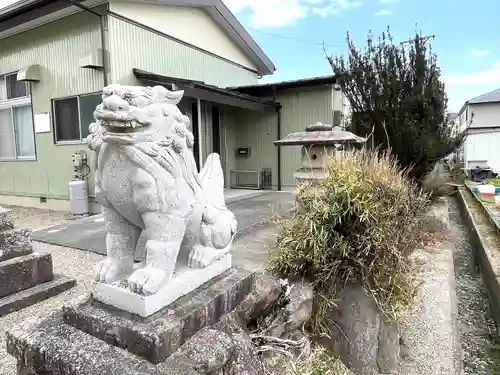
42	123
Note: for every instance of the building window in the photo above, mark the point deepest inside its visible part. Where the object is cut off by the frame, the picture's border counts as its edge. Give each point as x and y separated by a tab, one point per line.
17	137
72	116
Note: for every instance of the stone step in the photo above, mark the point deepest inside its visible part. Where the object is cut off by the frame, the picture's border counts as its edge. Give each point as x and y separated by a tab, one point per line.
15	243
155	338
35	294
24	272
52	347
5	221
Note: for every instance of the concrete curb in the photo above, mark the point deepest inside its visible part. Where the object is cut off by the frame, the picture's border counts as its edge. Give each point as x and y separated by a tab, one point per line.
482	254
457	347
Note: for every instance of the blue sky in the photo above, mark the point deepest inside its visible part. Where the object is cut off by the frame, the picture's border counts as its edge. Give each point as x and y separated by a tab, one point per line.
292	32
467	35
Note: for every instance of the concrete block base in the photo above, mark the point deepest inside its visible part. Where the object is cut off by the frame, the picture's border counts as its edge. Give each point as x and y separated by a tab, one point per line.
89	338
25	277
158	336
24	272
36	294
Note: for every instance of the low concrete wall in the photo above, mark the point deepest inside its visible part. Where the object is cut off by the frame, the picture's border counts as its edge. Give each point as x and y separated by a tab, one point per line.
483	253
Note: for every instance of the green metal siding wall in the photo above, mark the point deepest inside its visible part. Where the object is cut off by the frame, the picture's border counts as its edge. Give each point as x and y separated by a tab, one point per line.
258	130
134	47
229	140
301	108
56	46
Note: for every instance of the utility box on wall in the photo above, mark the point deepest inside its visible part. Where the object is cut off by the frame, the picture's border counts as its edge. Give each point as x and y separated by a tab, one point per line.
243	151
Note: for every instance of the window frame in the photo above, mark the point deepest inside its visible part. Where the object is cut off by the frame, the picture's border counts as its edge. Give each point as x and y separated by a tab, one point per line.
54	122
11	104
26	84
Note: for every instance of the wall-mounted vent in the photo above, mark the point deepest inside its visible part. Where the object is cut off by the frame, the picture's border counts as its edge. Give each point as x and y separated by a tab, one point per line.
92	60
32	73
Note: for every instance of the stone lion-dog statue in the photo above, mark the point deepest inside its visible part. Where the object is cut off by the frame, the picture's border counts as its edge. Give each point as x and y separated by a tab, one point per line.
146	179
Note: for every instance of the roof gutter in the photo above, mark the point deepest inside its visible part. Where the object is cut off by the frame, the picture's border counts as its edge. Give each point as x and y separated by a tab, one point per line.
103	37
463	108
18	6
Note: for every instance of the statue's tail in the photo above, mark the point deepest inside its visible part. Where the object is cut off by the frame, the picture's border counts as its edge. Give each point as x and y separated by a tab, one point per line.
212	181
218	225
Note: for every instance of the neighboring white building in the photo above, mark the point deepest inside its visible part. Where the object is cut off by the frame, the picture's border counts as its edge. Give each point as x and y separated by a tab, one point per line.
481	116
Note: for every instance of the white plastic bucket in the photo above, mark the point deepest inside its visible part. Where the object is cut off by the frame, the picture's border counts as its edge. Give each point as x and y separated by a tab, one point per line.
486	189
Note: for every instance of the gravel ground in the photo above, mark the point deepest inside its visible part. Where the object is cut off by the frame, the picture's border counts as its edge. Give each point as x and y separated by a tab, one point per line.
429	335
70	262
476	326
251	253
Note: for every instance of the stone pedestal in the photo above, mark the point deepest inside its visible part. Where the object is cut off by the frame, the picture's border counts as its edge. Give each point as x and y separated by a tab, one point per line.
25	277
87	337
184	281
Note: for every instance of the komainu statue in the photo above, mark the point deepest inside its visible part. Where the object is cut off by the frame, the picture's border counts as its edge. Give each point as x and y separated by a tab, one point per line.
146	180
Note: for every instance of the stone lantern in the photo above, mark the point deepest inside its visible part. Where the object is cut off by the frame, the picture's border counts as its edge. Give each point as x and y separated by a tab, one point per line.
319	143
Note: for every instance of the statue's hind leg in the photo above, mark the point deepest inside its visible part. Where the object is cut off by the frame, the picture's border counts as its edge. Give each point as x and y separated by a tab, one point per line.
121	241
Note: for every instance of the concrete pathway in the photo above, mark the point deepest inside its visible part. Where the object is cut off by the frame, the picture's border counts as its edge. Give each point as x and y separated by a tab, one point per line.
89	233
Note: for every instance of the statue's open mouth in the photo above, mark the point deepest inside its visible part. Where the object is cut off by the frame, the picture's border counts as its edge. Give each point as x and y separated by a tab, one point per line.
121	127
120	121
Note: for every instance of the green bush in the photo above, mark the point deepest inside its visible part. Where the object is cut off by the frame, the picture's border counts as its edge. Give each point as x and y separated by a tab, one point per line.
359	224
492	181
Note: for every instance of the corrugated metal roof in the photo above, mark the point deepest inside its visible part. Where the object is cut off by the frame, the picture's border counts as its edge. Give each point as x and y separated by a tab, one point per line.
300	82
263	89
489	97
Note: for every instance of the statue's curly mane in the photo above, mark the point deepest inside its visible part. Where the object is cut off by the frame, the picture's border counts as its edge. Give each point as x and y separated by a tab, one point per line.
152	109
148	121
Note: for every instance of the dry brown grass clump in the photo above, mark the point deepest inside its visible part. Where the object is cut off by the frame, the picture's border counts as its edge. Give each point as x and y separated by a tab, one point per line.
359	225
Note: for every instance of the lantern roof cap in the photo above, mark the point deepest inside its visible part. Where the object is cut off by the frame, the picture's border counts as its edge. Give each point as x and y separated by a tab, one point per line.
320	134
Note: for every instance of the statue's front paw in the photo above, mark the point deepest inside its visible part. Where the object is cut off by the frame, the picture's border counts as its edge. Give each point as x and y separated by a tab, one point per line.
110	270
148	280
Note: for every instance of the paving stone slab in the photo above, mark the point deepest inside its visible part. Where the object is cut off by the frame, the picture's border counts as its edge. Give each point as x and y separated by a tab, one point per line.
15	243
155	338
24	272
38	293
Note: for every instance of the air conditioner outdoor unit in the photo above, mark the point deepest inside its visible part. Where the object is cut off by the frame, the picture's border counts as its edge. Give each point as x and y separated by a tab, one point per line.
241	179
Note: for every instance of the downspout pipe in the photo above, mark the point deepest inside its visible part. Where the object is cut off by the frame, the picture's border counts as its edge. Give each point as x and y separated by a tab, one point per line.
278	131
102	18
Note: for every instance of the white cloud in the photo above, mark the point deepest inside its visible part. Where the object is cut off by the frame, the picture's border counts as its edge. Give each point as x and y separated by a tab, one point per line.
463	87
336	6
478	78
388	1
383	12
479	52
496	64
279	13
